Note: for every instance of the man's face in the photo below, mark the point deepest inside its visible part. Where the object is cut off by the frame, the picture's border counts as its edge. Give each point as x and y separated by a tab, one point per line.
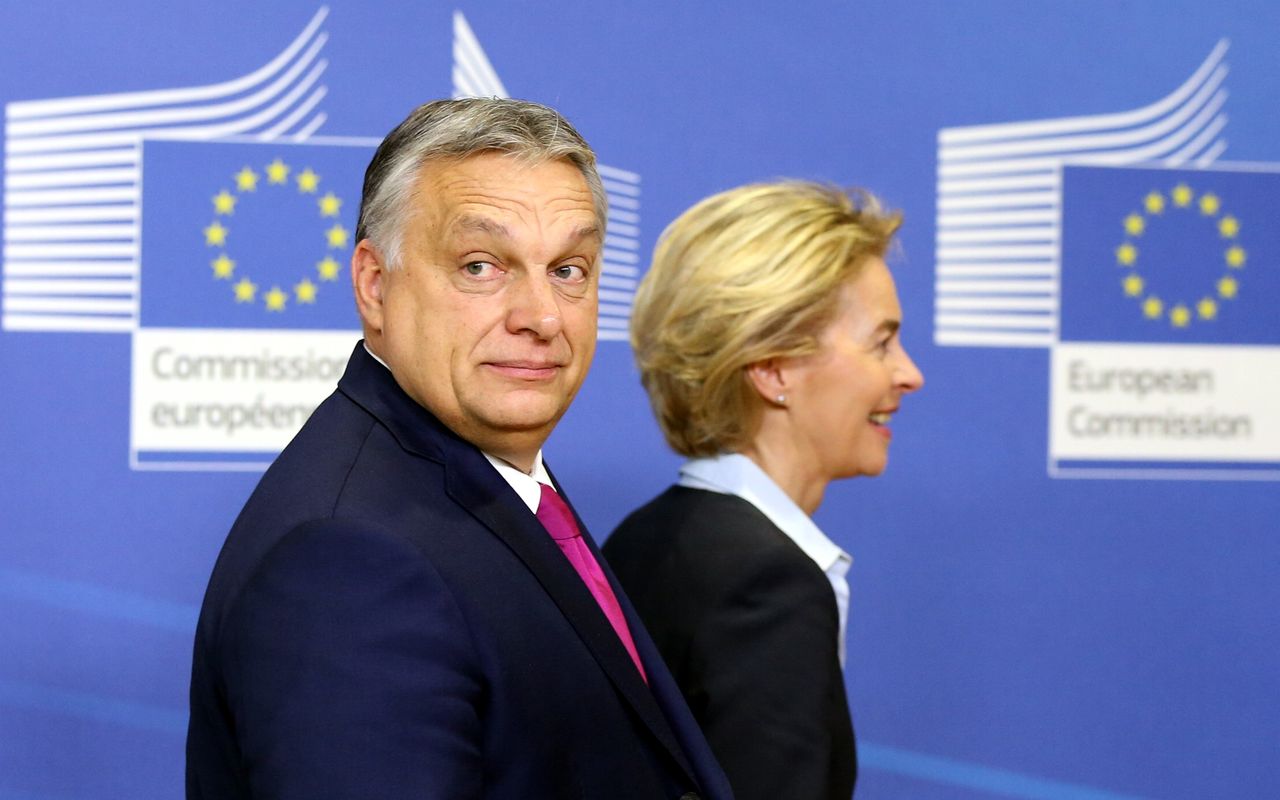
489	322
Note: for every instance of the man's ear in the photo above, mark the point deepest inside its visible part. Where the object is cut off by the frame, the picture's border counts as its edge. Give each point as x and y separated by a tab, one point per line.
769	379
368	272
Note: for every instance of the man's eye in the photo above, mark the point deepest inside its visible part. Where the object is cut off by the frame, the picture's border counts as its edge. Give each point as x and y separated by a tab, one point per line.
569	272
479	269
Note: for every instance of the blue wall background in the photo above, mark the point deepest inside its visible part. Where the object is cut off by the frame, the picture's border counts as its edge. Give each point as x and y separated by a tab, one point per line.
1012	635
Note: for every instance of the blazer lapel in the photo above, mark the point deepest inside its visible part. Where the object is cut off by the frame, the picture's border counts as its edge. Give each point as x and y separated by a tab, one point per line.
493	503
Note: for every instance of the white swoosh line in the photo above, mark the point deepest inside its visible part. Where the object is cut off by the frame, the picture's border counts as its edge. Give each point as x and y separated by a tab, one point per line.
124	156
79	105
1047	179
473	74
1147	152
191	133
1209	94
1124	119
73	180
999	203
168	116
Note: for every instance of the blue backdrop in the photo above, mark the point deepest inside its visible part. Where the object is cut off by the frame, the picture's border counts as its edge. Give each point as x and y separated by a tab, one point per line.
1018	629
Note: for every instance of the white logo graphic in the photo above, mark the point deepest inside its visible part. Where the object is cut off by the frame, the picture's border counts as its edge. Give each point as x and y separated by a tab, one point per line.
73	181
1000	203
1119	243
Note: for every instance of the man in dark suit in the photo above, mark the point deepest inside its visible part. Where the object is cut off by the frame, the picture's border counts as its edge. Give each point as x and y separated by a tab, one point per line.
405	607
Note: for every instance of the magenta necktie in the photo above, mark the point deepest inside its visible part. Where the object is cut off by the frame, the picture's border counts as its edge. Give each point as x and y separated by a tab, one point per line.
556	517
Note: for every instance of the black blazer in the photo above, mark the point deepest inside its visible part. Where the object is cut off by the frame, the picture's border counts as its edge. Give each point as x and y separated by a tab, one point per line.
748	625
387	620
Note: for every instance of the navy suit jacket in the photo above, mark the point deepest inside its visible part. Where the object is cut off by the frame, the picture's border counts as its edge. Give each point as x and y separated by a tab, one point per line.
388	620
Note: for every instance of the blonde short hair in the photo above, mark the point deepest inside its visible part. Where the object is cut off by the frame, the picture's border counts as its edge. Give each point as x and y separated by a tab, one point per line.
744	276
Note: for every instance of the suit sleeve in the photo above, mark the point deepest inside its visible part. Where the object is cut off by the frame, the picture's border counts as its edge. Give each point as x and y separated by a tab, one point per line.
350	672
764	674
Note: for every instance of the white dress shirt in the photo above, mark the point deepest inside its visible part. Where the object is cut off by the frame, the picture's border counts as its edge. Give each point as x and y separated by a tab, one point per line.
738	475
527	484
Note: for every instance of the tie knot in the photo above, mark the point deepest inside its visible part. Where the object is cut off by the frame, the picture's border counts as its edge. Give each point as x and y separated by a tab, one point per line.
555	516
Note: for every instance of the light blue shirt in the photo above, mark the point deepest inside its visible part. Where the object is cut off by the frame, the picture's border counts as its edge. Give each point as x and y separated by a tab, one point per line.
738	475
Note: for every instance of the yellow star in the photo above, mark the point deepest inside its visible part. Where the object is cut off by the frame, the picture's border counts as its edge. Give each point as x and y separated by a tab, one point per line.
337	236
1182	195
1228	226
1134	224
305	291
1152	307
1207	308
215	235
328	269
1126	254
1180	315
275	299
1235	256
277	172
245	290
224	202
1154	203
246	180
1227	288
1133	285
1209	204
329	205
308	181
223	267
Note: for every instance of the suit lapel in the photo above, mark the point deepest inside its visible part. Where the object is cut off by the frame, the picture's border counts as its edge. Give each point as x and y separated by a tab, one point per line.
473	483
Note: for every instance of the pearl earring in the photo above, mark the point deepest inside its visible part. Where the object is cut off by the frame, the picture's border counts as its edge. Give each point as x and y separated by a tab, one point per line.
782	399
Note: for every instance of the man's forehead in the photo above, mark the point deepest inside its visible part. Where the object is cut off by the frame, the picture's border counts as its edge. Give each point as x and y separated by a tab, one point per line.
472	222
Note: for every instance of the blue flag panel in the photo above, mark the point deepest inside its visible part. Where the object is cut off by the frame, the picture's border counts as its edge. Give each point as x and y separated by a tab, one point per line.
1189	256
249	235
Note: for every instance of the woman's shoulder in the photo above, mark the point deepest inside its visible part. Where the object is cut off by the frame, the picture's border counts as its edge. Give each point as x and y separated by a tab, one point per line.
695	525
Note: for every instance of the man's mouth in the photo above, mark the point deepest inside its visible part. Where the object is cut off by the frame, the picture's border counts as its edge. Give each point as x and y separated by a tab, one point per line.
528	370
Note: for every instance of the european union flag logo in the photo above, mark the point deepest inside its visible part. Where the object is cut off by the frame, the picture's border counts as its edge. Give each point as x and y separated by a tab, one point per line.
248	234
1170	255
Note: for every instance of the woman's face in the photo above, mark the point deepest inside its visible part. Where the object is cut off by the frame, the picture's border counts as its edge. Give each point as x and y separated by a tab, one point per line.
841	398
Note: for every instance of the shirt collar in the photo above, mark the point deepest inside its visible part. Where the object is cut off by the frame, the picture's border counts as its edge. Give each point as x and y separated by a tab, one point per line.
526	484
734	473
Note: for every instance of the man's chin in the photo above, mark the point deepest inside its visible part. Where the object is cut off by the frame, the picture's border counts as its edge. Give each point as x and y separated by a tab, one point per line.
518	418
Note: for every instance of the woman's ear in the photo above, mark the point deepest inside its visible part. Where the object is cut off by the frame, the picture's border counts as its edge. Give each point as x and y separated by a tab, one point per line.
367	274
769	379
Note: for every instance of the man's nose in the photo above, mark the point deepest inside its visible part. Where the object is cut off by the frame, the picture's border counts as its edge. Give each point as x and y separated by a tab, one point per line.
534	306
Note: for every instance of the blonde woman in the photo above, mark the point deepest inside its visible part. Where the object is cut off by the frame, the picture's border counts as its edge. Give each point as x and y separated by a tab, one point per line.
766	333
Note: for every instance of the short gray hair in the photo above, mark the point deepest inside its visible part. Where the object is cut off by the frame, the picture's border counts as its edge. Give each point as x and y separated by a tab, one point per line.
455	129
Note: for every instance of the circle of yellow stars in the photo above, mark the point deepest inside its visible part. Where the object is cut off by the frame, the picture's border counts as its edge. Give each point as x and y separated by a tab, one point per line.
246	181
1181	312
